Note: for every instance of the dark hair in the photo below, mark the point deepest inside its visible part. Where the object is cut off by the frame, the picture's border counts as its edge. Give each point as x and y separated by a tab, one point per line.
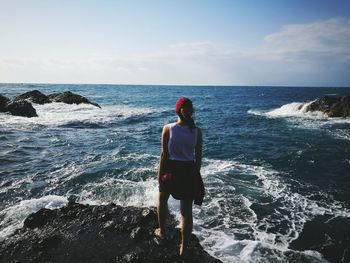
188	121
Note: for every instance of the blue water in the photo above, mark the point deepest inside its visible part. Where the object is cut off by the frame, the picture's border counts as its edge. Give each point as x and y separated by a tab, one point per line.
259	150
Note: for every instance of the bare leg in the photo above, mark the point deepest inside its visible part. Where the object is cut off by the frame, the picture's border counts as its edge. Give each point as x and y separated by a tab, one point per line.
162	210
186	224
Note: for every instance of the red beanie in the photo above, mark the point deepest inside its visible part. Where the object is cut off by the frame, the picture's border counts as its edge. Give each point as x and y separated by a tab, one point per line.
183	102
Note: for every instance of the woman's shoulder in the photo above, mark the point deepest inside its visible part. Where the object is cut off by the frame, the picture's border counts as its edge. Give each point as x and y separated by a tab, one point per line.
167	126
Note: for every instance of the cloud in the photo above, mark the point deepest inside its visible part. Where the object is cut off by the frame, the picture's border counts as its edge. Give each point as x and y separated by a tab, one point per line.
317	53
331	36
330	39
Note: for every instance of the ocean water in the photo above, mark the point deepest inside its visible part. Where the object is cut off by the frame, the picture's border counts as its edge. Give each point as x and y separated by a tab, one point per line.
268	166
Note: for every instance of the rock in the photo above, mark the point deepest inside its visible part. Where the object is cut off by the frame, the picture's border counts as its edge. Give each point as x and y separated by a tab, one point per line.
70	98
21	108
323	104
332	106
50	241
39	218
52	236
328	235
34	96
109	225
138	233
3	102
72	199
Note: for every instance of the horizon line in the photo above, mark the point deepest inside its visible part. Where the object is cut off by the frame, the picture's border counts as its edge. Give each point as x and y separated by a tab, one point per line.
177	85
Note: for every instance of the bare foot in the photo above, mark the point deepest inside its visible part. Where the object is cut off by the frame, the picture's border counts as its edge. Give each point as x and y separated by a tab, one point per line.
159	233
182	250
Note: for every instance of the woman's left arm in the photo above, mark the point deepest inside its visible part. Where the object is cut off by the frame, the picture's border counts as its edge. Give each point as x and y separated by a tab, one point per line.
164	154
198	150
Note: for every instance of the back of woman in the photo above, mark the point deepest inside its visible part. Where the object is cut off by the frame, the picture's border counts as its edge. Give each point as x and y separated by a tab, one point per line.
181	163
179	170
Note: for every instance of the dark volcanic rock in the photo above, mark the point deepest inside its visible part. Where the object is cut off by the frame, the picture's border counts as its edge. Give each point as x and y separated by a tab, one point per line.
21	108
328	235
39	218
3	102
332	106
70	98
109	233
34	96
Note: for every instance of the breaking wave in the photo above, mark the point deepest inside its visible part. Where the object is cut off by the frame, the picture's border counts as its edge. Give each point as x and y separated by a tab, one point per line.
75	116
294	109
249	214
255	222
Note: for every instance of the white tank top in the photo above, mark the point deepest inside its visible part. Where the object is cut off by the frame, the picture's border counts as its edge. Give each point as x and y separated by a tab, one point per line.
182	142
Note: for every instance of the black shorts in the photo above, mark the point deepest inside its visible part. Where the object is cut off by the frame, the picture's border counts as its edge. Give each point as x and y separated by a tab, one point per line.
184	182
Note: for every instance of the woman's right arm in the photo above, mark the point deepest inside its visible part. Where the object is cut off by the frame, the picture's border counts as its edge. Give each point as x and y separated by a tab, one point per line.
164	154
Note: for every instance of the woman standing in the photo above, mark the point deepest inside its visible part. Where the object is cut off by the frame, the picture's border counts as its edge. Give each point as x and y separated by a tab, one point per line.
179	170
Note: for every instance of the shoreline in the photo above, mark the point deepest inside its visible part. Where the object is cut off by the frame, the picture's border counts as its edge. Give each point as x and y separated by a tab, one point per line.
97	233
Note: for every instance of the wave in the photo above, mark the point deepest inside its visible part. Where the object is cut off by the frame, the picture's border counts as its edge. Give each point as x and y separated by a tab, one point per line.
297	110
14	216
229	224
341	134
296	114
242	233
294	109
75	116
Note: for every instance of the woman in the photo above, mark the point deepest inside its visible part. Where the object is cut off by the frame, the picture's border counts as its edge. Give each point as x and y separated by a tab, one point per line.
179	170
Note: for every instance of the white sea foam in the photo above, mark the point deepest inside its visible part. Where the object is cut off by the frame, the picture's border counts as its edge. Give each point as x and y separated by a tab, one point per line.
294	109
14	216
224	217
121	192
297	110
343	134
16	184
71	170
57	113
220	240
296	113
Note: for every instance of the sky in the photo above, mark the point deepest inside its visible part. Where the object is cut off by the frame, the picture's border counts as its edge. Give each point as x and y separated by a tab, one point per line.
182	42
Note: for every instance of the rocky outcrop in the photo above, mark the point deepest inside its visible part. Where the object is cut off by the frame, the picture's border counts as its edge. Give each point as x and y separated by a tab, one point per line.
85	233
332	106
18	108
3	103
34	96
70	98
21	108
328	235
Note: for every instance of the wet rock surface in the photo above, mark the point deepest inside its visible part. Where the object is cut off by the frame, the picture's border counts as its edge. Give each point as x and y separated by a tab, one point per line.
3	103
332	106
70	98
22	106
328	235
17	108
34	96
85	233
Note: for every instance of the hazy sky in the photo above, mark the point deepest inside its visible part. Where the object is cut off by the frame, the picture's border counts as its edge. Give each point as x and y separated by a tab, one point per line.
217	42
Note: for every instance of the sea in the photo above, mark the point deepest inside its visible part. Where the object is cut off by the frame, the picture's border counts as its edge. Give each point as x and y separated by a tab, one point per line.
269	167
